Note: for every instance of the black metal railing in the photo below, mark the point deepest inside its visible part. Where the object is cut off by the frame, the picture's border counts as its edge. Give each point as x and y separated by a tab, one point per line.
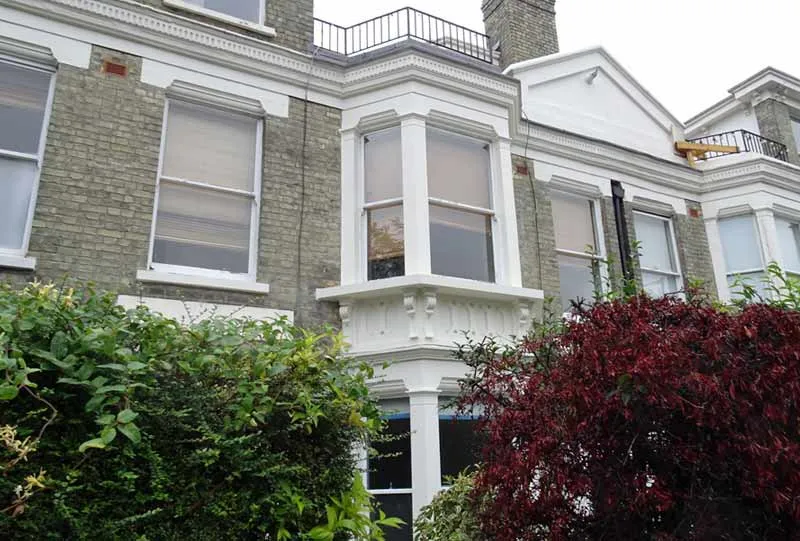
406	23
744	141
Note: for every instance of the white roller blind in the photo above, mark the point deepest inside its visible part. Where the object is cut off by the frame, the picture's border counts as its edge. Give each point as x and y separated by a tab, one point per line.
789	240
655	241
383	165
209	146
23	100
242	9
740	243
458	169
573	220
16	186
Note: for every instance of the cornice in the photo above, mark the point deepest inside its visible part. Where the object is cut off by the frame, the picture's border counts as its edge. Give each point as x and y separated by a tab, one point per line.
539	138
151	26
758	169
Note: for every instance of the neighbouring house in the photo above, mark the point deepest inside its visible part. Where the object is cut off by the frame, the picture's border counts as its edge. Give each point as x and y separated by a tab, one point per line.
406	179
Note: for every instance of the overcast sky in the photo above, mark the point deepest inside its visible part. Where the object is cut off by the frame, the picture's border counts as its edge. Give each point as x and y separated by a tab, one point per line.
687	53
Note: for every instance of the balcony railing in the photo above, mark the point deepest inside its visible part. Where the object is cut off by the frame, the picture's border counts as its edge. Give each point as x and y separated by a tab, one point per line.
406	23
744	141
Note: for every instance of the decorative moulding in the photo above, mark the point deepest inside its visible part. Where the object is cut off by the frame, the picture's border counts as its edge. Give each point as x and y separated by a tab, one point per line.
19	50
186	280
207	96
654	207
576	187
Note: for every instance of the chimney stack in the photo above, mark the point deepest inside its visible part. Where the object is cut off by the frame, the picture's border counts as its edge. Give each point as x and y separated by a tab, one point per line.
522	29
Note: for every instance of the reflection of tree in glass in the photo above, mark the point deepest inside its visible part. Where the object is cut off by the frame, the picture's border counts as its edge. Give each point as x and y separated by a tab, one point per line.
386	247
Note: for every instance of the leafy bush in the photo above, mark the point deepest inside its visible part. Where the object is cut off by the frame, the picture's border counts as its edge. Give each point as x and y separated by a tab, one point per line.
451	516
643	419
127	425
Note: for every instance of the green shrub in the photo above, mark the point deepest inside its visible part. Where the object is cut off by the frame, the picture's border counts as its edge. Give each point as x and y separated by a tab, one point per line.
120	424
452	515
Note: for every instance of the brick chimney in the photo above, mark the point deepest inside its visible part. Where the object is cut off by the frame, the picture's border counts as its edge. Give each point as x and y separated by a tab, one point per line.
523	29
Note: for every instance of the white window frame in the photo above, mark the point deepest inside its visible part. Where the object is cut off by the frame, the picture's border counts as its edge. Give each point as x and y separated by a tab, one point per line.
678	274
255	195
37	158
418	228
202	10
600	242
759	238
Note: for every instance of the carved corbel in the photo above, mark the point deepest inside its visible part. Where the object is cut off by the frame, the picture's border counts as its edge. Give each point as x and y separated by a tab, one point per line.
410	304
431	300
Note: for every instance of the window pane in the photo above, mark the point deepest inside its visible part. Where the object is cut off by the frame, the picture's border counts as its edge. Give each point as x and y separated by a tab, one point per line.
655	238
658	285
214	147
573	220
458	169
16	185
397	505
242	9
201	228
461	244
385	243
796	132
752	279
789	240
391	468
740	243
383	165
23	99
578	281
459	445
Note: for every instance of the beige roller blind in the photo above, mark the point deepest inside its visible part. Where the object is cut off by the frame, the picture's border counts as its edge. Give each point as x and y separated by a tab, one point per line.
458	169
209	146
573	223
383	166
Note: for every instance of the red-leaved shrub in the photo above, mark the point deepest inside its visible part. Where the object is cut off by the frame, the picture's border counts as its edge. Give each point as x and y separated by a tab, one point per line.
644	419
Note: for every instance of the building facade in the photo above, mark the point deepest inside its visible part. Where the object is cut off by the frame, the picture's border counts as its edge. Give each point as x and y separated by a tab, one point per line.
405	179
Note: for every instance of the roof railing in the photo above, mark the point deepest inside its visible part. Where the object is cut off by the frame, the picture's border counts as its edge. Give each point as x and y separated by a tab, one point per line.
744	141
405	23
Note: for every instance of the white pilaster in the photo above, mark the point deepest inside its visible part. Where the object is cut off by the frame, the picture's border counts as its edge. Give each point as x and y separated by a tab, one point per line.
768	233
425	465
507	241
350	241
415	196
717	258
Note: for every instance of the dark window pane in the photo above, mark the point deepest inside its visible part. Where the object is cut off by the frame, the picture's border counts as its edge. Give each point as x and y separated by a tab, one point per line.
461	244
385	243
391	468
23	100
397	505
242	9
578	281
459	444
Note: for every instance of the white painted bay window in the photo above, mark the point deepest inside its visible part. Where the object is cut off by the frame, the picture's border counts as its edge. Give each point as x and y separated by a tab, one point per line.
578	246
460	197
742	250
658	258
206	217
25	97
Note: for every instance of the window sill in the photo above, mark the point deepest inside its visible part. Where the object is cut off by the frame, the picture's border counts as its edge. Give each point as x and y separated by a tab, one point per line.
223	284
17	262
222	17
444	284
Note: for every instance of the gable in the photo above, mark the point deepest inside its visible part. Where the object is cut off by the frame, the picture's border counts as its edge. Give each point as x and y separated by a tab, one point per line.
591	95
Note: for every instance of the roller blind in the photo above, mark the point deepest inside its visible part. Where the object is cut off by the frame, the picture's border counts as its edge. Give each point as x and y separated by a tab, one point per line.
241	9
458	169
655	240
740	243
23	100
789	240
573	221
209	146
383	167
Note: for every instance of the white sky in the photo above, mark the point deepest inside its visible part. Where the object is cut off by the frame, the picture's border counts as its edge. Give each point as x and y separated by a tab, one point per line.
687	53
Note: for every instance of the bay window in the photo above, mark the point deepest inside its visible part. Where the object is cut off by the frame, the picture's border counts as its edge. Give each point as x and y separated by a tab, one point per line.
658	258
742	250
206	217
25	95
459	193
578	247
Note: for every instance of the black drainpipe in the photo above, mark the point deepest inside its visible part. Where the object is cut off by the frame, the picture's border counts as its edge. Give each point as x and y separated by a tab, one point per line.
618	195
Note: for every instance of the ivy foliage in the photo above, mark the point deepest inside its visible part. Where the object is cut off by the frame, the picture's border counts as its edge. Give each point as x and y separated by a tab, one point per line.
127	425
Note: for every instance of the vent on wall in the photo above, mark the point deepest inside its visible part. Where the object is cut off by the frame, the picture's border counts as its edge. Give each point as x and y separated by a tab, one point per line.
115	68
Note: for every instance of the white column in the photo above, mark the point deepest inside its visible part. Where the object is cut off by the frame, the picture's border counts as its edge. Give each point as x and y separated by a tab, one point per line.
415	196
510	272
717	258
425	463
768	234
351	213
